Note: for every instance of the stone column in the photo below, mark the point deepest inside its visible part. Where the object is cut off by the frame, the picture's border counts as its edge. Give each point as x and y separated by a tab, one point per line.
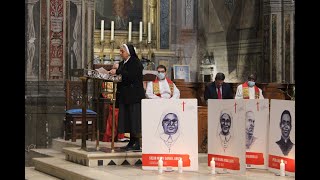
152	18
90	33
278	21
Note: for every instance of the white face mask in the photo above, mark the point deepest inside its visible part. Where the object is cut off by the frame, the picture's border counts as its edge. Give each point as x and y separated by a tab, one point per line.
251	83
161	76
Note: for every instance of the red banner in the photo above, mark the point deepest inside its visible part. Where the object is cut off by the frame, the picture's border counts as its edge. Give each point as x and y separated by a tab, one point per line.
227	162
254	158
274	162
168	159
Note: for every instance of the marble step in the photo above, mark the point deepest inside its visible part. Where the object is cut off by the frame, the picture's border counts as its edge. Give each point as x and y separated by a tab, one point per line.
67	170
32	174
49	153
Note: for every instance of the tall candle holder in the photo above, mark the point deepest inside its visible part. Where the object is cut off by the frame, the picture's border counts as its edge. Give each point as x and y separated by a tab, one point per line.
149	50
102	43
140	50
149	44
112	51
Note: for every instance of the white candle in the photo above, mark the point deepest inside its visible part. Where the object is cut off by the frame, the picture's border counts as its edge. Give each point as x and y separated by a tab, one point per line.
213	166
180	165
112	30
160	165
149	32
140	32
102	30
282	168
130	28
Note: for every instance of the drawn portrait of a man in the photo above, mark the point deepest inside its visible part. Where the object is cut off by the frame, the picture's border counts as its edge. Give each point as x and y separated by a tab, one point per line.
225	132
285	143
168	129
250	120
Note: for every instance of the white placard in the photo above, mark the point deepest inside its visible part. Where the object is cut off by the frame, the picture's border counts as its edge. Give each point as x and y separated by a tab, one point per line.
170	130
256	130
226	136
282	136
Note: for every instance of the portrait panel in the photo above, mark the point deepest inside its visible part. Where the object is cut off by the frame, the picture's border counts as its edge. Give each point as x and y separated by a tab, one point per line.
257	128
282	136
226	136
169	130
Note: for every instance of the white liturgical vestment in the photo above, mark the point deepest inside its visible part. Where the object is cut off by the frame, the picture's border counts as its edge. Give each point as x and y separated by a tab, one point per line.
239	93
164	90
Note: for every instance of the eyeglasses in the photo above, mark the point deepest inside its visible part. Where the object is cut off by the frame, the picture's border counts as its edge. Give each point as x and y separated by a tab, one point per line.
170	121
161	71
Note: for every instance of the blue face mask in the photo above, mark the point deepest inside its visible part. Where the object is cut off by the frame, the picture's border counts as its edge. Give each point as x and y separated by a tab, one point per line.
161	76
251	83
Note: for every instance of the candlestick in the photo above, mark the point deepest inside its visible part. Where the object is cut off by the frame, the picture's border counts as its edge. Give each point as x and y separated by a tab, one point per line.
282	168
140	32
102	30
180	165
160	165
102	43
112	30
130	28
112	50
149	32
213	166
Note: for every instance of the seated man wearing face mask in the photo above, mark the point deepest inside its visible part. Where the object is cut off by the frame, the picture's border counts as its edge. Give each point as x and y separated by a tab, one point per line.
162	87
248	90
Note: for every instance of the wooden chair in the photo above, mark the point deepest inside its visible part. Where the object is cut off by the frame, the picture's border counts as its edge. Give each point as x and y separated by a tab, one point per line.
73	122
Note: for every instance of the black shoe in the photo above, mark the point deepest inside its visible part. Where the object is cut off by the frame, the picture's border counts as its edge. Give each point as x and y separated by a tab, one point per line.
135	147
129	145
126	147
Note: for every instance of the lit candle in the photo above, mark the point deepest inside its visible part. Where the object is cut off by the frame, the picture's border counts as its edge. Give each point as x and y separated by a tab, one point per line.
282	168
149	32
112	30
180	165
102	30
140	32
160	165
213	166
130	28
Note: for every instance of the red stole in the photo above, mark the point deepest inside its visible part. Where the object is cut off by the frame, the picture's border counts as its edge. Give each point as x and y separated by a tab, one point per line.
245	91
156	89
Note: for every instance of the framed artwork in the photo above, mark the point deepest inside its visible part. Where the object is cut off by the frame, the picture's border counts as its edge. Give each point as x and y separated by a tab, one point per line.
121	12
181	72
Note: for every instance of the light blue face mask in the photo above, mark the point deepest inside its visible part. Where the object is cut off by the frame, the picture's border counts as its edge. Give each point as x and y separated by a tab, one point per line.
251	83
161	76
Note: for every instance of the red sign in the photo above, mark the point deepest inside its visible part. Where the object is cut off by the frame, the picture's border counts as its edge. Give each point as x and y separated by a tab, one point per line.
274	162
168	159
227	162
254	158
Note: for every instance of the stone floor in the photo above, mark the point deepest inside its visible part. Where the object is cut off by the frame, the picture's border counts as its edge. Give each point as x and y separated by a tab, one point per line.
126	172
